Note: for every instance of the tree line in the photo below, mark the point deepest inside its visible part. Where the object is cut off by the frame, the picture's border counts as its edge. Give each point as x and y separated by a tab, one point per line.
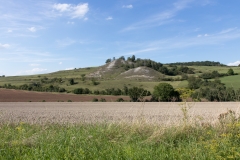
35	87
198	63
212	90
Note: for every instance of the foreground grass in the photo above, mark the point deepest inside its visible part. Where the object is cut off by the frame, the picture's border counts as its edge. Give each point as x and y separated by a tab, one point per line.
120	141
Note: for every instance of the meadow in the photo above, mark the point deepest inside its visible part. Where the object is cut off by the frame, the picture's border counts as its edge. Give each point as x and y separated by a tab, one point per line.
119	131
231	81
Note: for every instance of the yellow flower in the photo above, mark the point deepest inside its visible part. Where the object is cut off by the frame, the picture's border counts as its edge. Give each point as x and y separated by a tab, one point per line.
230	157
224	135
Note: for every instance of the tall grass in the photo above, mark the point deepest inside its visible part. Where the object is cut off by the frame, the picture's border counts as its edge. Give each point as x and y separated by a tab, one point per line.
135	140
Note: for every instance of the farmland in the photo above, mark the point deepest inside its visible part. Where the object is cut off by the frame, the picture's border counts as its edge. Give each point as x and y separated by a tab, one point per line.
152	112
10	95
119	130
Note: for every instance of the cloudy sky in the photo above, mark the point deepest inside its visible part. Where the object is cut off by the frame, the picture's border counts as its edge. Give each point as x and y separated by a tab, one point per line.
42	36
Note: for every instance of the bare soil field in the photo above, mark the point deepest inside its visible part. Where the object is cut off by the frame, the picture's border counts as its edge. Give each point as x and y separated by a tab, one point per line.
11	95
92	112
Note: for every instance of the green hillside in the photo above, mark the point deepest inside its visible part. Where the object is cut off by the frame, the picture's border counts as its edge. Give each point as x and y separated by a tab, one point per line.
118	73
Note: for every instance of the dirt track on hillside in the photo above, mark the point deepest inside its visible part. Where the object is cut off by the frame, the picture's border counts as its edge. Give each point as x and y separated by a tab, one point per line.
92	112
11	95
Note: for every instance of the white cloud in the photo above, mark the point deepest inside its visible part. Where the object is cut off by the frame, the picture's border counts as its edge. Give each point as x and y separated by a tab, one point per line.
181	4
205	35
71	68
74	11
227	30
161	18
178	42
109	18
60	63
80	10
62	7
128	6
32	29
4	46
9	31
33	71
234	63
34	64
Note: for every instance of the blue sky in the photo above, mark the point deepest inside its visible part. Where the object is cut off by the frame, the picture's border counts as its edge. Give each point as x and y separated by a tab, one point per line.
49	35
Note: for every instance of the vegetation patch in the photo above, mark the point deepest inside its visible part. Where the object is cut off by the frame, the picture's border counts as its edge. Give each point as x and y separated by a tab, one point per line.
138	140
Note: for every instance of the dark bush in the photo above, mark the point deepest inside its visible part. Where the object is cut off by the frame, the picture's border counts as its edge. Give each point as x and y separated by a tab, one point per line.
94	100
120	100
103	100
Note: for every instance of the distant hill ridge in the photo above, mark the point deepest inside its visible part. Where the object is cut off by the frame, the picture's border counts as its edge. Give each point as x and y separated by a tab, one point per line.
198	63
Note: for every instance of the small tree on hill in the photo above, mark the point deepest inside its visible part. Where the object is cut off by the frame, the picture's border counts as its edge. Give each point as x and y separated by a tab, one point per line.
165	92
83	77
71	81
108	60
230	72
133	58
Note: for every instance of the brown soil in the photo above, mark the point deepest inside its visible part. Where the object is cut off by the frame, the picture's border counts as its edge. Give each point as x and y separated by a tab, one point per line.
10	95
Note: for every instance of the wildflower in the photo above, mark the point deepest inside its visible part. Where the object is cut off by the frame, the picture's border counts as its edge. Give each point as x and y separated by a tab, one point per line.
224	135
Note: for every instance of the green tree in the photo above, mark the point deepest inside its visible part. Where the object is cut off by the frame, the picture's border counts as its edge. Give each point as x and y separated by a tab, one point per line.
122	57
108	60
165	92
163	70
71	81
230	72
133	58
136	93
83	77
194	83
125	90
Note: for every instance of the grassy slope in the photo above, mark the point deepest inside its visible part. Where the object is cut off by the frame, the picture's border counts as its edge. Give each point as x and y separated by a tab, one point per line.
220	69
232	81
112	80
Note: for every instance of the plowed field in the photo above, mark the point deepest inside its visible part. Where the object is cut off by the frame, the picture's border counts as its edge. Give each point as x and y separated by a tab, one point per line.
10	95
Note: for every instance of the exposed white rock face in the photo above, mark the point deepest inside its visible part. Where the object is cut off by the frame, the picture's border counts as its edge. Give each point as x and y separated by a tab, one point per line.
111	64
100	71
139	72
95	74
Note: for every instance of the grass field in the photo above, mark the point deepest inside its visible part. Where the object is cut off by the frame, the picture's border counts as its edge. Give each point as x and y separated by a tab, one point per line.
191	137
231	81
220	69
104	84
